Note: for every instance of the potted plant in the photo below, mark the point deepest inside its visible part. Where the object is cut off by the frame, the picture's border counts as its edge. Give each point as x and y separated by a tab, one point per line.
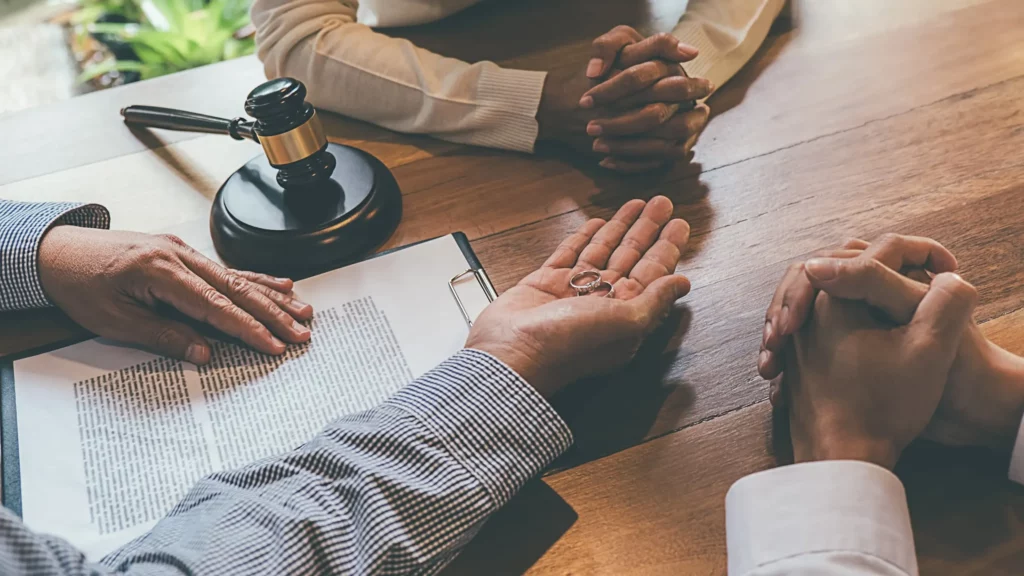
120	41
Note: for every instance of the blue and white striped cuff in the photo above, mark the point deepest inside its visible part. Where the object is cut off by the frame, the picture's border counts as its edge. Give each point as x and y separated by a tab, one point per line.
497	425
22	226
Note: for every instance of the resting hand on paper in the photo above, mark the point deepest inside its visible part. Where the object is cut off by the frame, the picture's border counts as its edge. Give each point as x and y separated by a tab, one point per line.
552	337
113	283
983	398
625	105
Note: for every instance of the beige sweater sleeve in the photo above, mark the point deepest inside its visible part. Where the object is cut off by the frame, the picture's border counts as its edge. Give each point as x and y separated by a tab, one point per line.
726	32
350	69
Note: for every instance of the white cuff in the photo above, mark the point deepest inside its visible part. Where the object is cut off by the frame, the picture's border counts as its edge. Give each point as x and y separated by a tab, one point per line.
508	113
1017	457
838	506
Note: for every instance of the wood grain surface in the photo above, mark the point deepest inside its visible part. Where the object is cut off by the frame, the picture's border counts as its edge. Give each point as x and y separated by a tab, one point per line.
855	118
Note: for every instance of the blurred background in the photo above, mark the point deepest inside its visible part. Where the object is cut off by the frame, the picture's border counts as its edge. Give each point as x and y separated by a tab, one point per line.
55	49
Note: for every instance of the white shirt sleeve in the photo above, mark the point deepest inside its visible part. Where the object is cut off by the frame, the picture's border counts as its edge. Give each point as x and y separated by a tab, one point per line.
1017	457
841	518
726	32
350	69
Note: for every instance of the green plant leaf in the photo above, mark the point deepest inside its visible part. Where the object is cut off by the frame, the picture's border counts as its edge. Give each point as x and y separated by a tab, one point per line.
101	68
165	15
171	35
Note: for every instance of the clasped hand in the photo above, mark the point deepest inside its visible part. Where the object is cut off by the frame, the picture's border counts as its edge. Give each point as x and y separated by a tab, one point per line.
872	345
630	105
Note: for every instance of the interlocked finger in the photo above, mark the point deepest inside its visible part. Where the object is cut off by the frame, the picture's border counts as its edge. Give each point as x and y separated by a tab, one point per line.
669	89
897	252
661	45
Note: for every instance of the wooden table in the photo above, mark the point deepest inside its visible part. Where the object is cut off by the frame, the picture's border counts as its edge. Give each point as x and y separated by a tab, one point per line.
855	118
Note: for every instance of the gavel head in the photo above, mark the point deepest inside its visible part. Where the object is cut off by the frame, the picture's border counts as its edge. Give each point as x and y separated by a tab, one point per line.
290	133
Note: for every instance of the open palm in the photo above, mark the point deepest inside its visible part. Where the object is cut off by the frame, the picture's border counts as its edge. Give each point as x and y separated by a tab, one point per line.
551	337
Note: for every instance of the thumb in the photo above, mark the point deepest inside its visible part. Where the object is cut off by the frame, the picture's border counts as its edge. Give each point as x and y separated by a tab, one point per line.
168	337
655	302
605	49
945	312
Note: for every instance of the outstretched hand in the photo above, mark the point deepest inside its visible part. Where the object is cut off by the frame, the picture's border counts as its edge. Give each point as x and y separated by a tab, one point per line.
551	337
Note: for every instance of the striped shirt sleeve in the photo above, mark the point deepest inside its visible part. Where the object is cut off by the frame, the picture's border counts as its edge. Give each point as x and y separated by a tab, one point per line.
22	226
398	489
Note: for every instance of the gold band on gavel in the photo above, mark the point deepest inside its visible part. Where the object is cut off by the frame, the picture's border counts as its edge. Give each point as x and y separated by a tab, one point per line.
296	144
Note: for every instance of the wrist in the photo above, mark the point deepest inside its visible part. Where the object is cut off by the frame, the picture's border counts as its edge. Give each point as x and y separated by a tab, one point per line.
1000	417
52	247
845	446
543	381
548	112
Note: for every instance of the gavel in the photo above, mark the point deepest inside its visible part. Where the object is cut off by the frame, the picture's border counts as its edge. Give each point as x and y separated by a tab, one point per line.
305	205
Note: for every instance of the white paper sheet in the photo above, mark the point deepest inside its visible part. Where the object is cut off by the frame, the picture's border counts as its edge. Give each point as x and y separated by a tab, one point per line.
111	437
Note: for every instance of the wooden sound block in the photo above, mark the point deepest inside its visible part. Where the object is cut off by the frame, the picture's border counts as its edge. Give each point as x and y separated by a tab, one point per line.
257	225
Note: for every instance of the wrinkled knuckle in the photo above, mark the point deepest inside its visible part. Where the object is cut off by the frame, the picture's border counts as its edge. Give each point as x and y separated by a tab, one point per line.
890	239
661	112
152	256
219	301
238	285
173	239
165	338
664	40
634	78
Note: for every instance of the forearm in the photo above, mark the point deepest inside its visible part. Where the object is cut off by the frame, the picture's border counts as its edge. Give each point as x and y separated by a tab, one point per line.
398	489
350	69
22	227
726	32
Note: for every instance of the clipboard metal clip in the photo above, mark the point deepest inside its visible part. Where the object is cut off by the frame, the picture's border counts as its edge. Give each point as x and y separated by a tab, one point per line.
485	285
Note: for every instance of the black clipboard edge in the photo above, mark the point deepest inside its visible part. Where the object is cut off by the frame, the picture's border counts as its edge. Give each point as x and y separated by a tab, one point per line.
10	459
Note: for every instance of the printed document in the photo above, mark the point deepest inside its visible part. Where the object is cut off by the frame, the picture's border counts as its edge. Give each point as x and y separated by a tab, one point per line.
111	437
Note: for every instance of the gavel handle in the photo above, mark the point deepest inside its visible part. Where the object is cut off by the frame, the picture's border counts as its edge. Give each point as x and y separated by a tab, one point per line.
184	121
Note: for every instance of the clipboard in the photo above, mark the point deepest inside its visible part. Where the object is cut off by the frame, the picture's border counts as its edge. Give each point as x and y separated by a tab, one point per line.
10	468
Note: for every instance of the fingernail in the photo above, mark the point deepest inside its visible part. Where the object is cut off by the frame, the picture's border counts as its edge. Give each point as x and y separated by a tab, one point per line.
297	307
784	320
283	280
587	102
685	50
594	129
767	332
762	359
711	86
197	354
277	343
594	67
300	328
600	146
821	268
606	163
